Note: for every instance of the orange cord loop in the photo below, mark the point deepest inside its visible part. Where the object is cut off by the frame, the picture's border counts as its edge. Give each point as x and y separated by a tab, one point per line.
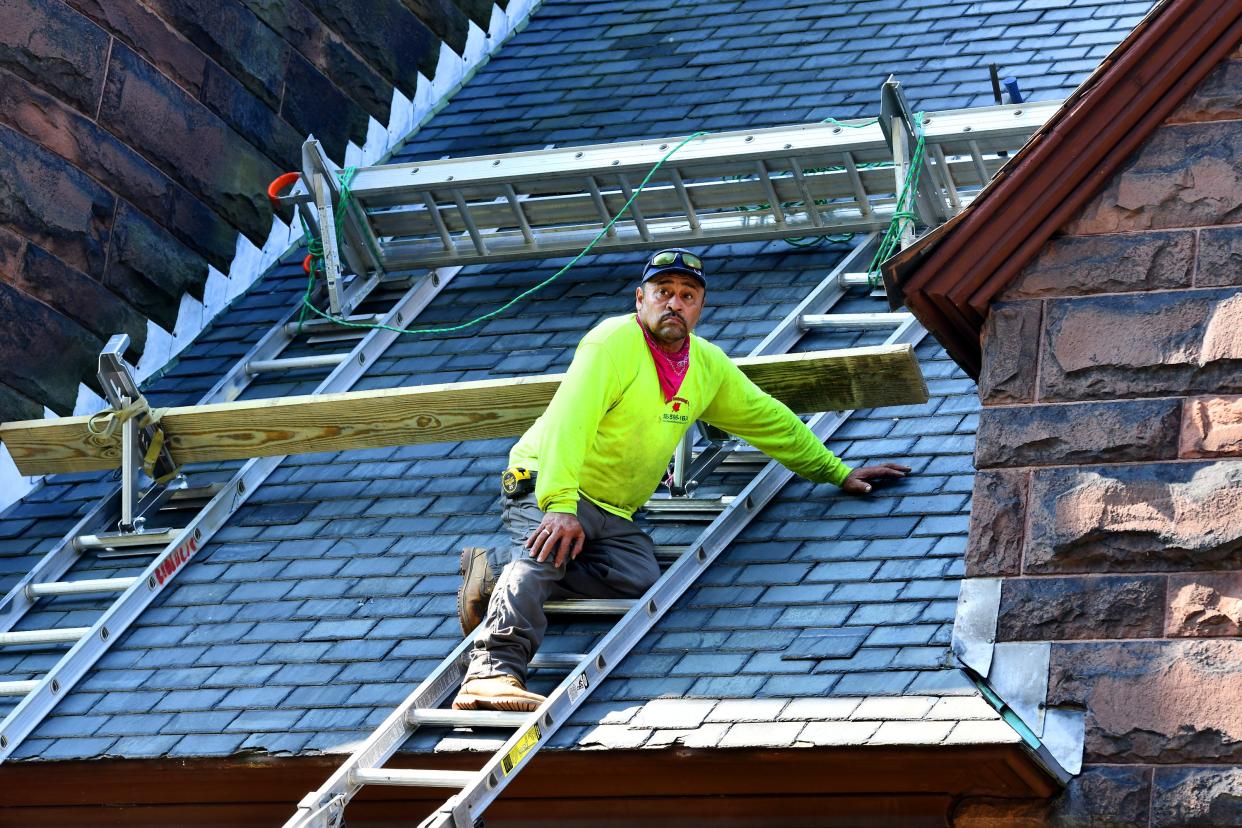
280	183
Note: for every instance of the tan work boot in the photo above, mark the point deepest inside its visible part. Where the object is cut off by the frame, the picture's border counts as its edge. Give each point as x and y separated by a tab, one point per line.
496	693
477	583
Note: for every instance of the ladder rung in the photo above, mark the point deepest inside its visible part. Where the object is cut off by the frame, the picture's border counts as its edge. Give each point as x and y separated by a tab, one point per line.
267	366
746	457
669	553
852	321
90	587
466	718
206	492
569	660
855	280
345	335
590	606
687	504
68	634
412	778
156	537
321	325
17	688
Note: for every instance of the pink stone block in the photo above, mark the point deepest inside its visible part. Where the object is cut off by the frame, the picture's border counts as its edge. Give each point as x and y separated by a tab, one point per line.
1211	427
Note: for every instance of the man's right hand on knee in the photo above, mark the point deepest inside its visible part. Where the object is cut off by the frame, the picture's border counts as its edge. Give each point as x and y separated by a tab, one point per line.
559	536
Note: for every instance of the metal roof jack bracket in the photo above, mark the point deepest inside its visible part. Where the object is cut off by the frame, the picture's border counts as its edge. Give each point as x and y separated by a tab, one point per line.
142	444
935	197
347	239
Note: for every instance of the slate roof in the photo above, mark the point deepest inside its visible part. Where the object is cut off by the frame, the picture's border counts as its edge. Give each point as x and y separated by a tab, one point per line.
330	592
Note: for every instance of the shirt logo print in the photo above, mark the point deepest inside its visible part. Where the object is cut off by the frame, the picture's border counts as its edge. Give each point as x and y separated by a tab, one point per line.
676	415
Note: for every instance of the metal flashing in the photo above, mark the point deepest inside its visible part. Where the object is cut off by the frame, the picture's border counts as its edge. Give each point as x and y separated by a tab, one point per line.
974	628
1019	675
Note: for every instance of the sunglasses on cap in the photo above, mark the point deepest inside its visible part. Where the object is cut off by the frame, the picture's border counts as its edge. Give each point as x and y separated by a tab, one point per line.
668	257
674	260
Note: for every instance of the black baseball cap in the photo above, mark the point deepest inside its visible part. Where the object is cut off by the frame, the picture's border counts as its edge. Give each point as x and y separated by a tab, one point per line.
675	260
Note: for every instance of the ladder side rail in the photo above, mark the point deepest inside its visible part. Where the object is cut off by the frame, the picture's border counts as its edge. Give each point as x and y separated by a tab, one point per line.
62	677
364	248
53	565
461	810
325	806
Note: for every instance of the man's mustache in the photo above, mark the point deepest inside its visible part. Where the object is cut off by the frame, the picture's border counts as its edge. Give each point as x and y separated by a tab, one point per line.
673	315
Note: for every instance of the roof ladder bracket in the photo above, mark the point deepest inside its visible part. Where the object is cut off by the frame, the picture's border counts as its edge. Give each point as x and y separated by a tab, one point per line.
142	441
897	121
357	246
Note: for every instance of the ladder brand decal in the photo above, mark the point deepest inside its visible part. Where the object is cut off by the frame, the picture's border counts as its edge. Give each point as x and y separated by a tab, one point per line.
169	566
524	746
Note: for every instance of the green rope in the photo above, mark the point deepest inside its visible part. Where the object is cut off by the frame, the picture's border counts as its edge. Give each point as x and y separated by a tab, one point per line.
904	215
314	244
835	122
492	314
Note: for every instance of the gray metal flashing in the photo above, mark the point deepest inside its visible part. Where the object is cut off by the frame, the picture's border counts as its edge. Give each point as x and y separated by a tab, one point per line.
974	627
1019	675
1015	676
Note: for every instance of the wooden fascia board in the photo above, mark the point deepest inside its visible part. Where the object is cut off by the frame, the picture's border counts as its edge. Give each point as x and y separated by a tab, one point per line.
1066	163
268	788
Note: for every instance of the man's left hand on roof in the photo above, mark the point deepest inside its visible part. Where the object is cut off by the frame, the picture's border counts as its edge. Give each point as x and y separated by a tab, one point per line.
856	482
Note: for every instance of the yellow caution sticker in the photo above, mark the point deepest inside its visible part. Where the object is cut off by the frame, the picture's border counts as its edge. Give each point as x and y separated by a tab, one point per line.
524	746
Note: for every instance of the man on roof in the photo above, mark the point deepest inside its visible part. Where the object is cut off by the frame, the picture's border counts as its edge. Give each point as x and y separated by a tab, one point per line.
636	384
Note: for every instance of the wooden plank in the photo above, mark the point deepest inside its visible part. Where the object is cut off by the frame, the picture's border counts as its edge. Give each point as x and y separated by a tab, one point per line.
810	382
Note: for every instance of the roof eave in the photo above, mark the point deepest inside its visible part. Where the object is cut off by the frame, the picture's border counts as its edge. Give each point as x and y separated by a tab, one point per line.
950	278
911	784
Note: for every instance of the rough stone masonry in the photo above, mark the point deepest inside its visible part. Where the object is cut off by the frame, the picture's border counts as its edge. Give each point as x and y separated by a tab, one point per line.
1109	498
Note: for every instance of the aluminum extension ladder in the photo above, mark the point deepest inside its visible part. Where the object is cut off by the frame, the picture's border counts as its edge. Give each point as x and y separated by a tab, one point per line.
121	524
476	790
800	180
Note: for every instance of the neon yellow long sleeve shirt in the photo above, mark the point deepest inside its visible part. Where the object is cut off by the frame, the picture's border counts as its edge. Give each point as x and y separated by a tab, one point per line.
608	434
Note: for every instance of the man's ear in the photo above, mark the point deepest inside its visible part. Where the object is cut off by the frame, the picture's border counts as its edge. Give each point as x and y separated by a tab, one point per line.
638	297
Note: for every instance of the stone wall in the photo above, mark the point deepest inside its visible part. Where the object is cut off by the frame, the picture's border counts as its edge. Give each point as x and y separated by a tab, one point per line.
1109	496
137	138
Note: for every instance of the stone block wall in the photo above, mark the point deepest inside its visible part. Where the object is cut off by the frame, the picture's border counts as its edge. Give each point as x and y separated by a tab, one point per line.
137	138
1109	493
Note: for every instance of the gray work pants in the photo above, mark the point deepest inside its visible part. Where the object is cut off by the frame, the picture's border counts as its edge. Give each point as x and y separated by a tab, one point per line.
617	561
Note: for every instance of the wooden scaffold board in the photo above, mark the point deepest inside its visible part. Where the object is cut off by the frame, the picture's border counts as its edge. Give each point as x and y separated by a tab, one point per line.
840	380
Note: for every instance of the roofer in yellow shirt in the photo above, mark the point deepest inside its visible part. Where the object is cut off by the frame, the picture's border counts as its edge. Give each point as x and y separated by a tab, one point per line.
636	384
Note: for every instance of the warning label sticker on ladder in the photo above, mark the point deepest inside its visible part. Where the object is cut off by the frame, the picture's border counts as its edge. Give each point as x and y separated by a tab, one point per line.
524	746
577	687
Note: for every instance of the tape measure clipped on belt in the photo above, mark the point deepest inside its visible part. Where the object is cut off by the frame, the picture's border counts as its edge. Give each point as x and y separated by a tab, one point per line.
517	481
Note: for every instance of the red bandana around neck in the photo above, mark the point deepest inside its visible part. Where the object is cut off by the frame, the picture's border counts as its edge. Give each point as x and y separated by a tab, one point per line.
670	368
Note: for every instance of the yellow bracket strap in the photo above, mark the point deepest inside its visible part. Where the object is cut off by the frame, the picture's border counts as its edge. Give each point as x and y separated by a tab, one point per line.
105	423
